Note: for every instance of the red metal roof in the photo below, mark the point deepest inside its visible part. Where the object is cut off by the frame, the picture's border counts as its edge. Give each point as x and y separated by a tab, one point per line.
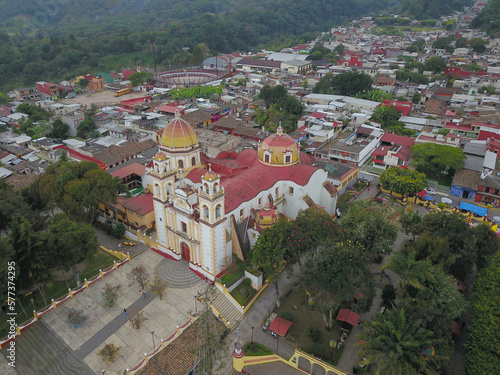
348	316
280	326
397	139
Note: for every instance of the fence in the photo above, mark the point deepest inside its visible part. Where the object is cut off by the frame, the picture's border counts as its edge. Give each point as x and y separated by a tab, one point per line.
54	303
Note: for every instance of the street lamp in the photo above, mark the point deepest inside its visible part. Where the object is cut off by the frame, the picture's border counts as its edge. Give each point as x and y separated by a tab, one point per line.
252	333
153	337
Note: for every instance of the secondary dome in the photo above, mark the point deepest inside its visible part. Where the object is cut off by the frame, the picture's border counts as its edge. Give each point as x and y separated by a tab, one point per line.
178	134
160	156
279	149
266	217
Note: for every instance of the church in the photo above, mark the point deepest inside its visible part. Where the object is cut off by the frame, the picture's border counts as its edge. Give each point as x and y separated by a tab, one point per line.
207	209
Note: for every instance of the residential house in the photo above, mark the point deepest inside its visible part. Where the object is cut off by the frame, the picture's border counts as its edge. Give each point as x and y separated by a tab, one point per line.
51	89
340	175
264	66
198	118
427	136
394	151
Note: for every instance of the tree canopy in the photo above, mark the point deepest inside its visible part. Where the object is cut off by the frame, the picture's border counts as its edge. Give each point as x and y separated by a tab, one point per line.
403	181
349	83
394	344
437	160
481	355
337	274
370	225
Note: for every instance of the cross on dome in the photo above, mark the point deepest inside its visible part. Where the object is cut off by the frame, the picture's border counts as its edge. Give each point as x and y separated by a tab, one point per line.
279	131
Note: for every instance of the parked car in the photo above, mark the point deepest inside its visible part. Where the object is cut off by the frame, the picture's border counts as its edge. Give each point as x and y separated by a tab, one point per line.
430	191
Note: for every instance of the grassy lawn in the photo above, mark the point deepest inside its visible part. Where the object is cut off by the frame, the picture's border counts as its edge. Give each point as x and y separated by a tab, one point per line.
54	290
234	272
255	349
243	293
304	319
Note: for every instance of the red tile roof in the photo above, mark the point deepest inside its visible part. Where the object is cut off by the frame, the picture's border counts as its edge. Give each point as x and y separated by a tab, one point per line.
397	139
245	177
141	204
136	168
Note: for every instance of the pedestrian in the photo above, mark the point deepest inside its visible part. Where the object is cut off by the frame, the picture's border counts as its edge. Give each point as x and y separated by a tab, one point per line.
144	295
120	245
125	311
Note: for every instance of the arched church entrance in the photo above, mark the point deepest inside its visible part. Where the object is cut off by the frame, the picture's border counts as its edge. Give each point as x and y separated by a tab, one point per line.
185	251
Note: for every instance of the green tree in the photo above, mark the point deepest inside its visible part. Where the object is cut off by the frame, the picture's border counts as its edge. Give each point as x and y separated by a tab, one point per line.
437	160
32	260
83	83
478	44
411	272
435	64
200	53
268	253
409	222
86	128
70	243
486	245
452	226
138	78
481	355
312	227
403	181
416	97
385	115
371	226
489	89
394	344
339	274
349	83
59	129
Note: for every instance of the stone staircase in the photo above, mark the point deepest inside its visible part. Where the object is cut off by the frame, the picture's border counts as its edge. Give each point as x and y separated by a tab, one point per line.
230	314
39	350
177	273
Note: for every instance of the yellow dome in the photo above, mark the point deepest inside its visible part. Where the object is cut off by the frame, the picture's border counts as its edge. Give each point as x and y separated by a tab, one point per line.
279	149
160	156
266	217
178	134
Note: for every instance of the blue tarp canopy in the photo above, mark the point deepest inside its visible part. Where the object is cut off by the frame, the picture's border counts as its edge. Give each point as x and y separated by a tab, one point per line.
481	211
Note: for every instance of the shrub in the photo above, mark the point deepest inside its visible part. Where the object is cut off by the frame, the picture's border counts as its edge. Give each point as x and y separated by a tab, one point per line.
247	281
318	350
243	291
287	316
119	230
388	294
314	334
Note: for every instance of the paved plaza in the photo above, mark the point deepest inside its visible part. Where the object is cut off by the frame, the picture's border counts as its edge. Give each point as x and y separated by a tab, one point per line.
105	325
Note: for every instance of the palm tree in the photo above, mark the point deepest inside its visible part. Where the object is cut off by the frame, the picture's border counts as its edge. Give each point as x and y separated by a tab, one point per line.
394	344
411	272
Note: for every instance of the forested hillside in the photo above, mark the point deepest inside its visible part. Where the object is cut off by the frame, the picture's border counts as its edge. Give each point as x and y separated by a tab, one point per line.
421	9
488	20
56	39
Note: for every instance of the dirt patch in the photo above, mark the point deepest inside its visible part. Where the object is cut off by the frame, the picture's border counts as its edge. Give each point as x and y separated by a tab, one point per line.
68	275
102	98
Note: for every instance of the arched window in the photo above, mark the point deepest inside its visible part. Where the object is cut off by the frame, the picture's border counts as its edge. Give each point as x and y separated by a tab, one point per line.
157	191
157	169
181	164
216	187
218	211
206	188
288	158
205	212
193	161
